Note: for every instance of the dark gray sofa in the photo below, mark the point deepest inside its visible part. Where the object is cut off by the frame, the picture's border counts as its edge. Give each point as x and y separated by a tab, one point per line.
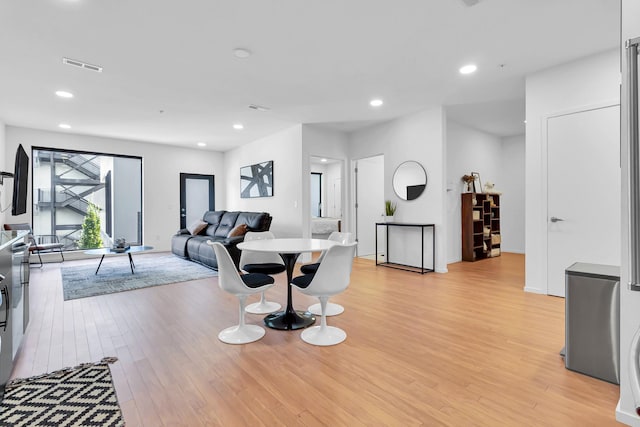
195	248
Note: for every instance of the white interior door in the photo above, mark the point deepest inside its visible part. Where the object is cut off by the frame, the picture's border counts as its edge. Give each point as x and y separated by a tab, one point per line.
583	192
370	202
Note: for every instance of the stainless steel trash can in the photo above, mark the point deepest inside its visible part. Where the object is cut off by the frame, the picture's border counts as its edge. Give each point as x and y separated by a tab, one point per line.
592	320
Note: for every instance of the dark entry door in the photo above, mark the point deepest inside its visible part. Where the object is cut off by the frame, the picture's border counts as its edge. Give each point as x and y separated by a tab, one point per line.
197	195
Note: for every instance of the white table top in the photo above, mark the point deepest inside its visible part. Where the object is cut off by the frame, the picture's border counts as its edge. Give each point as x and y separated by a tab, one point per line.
287	246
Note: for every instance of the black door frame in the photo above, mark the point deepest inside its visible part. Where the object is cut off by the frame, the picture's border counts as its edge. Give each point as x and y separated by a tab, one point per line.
320	191
183	194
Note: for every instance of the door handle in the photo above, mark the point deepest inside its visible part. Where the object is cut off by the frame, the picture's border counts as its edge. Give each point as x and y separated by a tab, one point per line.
5	296
554	219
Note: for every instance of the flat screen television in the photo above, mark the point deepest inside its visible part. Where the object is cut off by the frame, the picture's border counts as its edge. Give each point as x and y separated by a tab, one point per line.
20	179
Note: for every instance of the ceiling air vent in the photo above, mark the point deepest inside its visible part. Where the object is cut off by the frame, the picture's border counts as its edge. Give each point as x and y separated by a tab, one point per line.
258	107
81	64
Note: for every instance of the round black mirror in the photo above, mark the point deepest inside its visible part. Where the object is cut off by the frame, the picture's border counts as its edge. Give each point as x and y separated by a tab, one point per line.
409	180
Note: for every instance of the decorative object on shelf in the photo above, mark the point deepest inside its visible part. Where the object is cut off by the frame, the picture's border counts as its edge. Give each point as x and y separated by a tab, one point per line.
476	177
489	188
256	180
468	179
409	180
389	210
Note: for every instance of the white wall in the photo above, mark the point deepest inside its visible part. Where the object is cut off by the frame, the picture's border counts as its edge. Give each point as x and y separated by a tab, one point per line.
419	137
577	85
162	165
512	211
287	205
629	301
468	150
6	190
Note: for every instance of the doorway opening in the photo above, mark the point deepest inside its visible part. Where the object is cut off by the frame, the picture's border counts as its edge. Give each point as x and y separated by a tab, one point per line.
326	196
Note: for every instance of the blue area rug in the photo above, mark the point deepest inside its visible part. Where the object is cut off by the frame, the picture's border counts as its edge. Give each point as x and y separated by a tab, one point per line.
115	275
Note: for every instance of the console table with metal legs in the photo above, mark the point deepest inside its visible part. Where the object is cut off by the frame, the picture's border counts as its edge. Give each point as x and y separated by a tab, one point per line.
416	269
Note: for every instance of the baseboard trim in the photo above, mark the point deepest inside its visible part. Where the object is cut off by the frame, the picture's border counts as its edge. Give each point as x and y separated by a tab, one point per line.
442	270
535	290
626	417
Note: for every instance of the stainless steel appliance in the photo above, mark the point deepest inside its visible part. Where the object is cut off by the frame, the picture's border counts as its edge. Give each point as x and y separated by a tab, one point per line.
592	316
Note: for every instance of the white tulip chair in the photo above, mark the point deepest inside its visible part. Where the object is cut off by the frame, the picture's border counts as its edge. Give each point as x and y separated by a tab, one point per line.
333	309
241	286
261	262
333	276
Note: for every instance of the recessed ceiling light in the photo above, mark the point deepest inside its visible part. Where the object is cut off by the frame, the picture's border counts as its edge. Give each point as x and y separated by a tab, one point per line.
238	126
468	69
241	53
376	102
64	126
323	160
202	144
64	94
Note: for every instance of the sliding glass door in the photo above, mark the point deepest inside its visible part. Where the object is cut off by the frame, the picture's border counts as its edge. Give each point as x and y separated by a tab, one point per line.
87	199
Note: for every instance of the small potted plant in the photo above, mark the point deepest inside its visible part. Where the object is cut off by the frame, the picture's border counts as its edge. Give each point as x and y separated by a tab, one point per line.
389	210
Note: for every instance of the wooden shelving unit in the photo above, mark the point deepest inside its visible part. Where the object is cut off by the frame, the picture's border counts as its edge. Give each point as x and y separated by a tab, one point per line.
481	236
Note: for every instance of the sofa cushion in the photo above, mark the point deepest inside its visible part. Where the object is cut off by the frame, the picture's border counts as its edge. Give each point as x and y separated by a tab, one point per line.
197	226
200	251
179	245
227	223
238	230
213	218
256	221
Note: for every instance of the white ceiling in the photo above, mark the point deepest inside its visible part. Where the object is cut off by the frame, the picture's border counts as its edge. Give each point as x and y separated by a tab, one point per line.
312	62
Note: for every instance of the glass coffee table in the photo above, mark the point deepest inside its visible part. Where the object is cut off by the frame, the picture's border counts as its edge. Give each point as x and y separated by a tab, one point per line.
111	251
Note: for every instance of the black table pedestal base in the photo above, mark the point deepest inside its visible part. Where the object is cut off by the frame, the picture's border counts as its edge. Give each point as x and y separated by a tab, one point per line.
288	321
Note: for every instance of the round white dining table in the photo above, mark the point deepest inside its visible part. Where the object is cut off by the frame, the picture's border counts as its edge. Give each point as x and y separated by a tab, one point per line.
289	250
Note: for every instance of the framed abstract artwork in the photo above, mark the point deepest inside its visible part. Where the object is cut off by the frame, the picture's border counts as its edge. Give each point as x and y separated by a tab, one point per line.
256	180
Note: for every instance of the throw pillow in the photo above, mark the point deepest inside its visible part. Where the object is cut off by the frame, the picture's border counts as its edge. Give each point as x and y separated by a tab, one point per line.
238	230
197	227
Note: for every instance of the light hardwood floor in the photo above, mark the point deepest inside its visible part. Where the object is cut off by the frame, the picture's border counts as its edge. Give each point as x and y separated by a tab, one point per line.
465	348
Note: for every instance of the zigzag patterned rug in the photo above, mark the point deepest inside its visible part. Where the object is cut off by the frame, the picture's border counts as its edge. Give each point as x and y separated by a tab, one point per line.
71	397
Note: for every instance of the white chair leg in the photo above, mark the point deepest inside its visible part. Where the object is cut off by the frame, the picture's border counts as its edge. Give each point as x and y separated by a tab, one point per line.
333	309
323	335
263	307
241	333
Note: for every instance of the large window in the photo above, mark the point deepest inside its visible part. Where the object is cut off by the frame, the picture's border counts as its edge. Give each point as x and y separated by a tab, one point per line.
87	199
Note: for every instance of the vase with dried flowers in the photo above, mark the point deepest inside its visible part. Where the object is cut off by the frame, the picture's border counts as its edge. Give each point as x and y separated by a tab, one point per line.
468	179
